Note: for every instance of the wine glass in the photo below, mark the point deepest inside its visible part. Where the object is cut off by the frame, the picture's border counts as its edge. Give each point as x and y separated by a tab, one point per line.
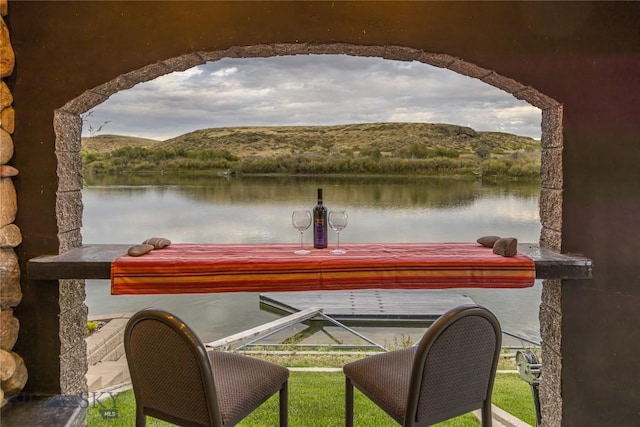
301	220
338	221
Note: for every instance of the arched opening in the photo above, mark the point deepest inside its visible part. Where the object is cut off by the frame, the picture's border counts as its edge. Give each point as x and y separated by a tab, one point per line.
68	124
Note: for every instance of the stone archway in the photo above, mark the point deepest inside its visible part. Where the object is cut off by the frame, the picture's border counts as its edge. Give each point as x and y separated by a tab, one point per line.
68	129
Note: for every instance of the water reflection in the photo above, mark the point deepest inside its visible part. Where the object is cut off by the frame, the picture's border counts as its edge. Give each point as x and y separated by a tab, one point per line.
204	208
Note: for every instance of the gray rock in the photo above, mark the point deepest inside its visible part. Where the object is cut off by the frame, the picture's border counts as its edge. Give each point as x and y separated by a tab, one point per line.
139	250
157	242
506	247
488	241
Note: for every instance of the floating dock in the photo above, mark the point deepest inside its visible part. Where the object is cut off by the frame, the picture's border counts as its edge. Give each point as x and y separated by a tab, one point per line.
370	305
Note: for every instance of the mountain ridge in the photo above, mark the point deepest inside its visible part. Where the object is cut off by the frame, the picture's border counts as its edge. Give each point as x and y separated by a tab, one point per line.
263	141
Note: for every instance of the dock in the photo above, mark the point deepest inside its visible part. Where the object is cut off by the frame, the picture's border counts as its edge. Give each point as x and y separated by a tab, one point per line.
370	305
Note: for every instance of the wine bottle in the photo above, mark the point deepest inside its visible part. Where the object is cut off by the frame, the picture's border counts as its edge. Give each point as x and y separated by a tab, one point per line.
319	223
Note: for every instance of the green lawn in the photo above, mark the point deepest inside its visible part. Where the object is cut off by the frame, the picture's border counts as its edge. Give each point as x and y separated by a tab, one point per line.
316	399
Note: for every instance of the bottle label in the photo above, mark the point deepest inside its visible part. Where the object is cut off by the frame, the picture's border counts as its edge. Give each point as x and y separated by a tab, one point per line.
320	233
319	224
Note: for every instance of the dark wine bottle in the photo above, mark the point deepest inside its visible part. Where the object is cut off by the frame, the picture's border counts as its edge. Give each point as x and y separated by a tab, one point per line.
319	223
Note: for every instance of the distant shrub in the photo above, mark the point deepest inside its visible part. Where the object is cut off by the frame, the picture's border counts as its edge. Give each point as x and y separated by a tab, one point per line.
422	151
482	152
417	160
373	153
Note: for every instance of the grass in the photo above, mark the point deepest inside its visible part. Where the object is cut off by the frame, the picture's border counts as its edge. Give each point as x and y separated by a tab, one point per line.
317	399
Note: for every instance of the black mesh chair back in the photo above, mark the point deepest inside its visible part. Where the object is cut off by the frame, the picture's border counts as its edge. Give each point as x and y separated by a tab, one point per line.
450	372
176	379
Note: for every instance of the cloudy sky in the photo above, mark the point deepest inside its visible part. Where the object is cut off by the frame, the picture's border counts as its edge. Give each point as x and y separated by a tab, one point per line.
308	90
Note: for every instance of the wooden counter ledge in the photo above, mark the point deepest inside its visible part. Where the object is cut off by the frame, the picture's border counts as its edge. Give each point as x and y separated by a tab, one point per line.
94	262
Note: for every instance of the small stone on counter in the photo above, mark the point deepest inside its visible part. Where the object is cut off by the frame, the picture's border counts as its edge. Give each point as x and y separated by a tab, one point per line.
157	242
139	250
506	247
488	241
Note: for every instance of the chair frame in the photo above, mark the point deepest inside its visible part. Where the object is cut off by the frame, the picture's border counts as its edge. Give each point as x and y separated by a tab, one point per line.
200	353
422	351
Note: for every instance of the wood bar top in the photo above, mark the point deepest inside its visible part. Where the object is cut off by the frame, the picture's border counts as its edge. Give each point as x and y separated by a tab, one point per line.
94	262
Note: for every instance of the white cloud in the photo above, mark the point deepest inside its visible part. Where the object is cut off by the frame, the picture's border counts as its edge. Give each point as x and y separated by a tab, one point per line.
310	90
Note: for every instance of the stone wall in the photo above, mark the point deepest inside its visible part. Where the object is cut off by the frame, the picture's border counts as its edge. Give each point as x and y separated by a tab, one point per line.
73	310
68	127
13	371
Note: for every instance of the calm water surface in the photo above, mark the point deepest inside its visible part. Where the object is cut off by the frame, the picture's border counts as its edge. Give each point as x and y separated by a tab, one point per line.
206	209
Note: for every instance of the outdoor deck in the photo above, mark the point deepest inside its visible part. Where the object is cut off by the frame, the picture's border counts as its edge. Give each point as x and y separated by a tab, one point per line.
396	305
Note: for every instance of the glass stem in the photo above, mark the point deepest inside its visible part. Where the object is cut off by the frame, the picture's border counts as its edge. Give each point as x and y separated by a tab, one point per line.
301	240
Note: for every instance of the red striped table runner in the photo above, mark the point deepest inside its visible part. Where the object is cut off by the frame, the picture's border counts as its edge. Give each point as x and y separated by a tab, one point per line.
210	268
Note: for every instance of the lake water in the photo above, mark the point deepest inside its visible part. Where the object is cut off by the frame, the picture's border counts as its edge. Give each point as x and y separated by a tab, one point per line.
207	209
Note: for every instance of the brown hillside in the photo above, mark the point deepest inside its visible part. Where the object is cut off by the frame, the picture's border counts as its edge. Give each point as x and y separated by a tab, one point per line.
108	143
283	140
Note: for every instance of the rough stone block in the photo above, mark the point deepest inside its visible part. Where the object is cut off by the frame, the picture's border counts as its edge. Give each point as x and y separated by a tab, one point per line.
73	327
148	72
109	88
10	236
68	129
84	102
436	59
258	51
550	327
9	205
73	369
10	290
6	147
551	388
69	171
551	208
9	327
551	238
6	98
536	98
291	49
7	55
184	62
72	294
232	52
401	53
212	56
7	365
8	119
69	240
469	70
551	169
552	294
358	50
504	83
69	210
19	378
327	49
552	127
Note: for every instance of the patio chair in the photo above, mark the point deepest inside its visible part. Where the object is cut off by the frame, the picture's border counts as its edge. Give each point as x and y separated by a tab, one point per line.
177	380
448	373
